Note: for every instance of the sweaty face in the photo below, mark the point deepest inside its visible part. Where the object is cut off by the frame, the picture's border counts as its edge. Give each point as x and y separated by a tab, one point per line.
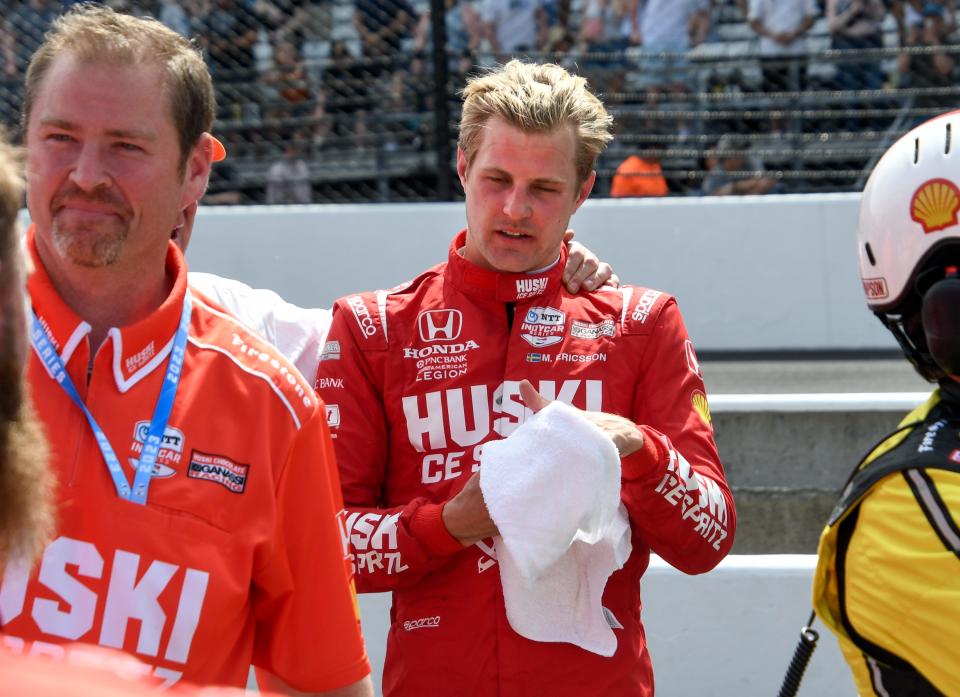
521	190
103	177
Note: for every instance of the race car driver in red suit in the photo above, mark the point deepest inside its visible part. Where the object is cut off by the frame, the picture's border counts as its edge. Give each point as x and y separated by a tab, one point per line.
417	379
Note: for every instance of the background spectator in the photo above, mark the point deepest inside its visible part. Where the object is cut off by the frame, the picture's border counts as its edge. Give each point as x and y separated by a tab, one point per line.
856	24
514	26
384	27
174	14
229	32
288	180
24	24
671	26
781	25
601	34
463	29
345	98
734	171
285	84
639	176
933	70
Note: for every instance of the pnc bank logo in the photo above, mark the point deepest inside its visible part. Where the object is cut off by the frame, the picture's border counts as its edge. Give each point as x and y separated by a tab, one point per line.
440	325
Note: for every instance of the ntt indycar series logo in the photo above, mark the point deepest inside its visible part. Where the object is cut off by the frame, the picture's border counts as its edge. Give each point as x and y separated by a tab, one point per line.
543	326
171	448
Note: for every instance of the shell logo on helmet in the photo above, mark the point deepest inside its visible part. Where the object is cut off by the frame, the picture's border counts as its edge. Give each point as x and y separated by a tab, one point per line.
935	204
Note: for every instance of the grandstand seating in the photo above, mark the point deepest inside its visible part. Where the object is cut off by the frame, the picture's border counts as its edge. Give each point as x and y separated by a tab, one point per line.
368	125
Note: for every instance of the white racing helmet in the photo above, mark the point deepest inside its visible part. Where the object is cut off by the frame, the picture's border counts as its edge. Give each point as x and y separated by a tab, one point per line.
909	209
908	241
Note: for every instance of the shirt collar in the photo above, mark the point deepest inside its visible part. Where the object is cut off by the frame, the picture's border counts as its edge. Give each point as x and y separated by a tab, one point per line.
501	286
138	348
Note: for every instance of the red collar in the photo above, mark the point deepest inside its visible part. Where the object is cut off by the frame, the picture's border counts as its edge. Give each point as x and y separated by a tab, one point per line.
138	348
500	286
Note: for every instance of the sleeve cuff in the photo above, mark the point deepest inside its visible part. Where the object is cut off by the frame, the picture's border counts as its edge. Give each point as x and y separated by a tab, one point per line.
644	461
427	526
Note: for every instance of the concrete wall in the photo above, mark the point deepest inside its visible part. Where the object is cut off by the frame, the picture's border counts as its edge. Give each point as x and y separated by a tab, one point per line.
729	633
763	274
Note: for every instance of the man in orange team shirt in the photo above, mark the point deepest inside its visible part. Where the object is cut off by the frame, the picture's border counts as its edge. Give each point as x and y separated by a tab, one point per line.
195	491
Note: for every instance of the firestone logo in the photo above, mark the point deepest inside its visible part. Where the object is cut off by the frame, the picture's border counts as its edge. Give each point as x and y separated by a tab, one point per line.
440	325
362	315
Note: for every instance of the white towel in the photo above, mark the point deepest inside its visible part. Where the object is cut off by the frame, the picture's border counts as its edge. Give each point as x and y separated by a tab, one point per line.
553	490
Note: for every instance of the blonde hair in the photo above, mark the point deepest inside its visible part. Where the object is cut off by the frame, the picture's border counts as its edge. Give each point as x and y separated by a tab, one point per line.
11	192
98	34
26	483
536	98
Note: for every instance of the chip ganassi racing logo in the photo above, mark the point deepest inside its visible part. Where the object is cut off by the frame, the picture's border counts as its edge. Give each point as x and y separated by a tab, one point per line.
219	470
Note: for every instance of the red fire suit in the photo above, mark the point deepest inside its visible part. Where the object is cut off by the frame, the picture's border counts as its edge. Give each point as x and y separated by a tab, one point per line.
417	379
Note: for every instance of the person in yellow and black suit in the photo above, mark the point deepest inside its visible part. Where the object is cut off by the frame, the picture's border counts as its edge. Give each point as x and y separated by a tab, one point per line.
888	575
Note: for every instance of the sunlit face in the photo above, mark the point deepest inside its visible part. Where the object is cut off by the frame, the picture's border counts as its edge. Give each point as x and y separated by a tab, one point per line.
521	190
104	184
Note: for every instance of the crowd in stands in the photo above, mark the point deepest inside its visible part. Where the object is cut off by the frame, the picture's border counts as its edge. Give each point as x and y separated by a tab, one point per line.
328	82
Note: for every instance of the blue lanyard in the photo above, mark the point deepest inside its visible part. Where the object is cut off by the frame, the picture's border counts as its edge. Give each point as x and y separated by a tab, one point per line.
43	346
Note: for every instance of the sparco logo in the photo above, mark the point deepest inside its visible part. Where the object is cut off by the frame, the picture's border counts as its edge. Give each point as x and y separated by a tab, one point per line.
529	287
439	348
440	325
421	623
644	305
362	315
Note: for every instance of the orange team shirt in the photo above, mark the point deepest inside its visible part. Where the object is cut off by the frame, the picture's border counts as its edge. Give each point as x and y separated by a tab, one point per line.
237	557
638	177
91	671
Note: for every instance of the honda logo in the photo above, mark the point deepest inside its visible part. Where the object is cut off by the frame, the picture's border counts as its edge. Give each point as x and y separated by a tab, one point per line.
440	325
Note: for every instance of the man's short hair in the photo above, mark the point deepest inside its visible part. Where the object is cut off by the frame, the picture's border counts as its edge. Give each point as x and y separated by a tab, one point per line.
536	98
98	34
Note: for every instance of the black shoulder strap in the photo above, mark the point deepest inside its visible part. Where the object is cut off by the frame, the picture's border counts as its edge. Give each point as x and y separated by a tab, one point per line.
865	476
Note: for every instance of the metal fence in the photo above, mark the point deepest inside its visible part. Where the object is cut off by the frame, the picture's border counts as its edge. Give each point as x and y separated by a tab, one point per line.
354	100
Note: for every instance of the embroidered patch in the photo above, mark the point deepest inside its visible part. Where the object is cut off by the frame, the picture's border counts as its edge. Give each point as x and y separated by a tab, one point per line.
219	469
